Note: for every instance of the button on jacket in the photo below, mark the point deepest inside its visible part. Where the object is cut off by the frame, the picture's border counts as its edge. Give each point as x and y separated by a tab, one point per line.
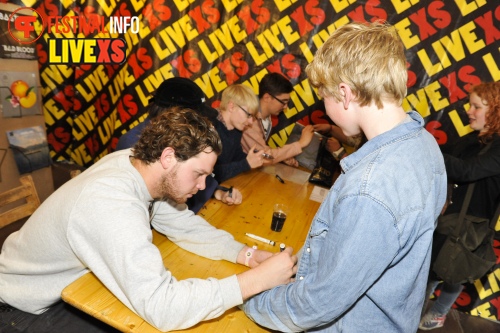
365	262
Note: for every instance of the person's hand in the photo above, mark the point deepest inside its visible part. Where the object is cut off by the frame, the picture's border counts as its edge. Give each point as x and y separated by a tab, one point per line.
258	257
332	145
306	136
267	161
278	269
254	159
322	128
291	162
235	198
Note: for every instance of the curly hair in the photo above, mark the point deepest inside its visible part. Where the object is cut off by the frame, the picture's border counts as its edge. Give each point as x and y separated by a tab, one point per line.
182	129
369	57
489	92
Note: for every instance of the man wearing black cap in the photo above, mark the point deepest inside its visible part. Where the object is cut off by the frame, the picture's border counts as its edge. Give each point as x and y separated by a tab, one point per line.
178	91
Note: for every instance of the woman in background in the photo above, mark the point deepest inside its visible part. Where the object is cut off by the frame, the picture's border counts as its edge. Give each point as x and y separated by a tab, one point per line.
465	166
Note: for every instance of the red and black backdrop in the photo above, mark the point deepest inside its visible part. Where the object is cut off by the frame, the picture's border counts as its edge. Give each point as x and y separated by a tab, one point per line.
450	45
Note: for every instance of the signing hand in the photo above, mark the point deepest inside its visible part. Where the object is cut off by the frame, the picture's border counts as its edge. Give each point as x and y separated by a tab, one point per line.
255	159
234	198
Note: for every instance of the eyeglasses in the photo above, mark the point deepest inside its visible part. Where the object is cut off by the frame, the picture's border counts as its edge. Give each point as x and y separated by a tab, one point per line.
249	115
283	102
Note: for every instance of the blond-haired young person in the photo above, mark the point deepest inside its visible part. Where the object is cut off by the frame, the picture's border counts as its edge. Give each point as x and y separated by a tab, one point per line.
365	262
237	111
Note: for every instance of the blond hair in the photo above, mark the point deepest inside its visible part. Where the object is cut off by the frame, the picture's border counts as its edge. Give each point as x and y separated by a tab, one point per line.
240	95
369	57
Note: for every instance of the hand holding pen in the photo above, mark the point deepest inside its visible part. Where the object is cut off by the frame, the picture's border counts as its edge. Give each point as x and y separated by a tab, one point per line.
265	155
229	196
255	158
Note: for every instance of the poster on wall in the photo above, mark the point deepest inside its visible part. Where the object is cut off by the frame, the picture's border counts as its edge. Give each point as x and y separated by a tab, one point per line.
9	47
19	94
30	148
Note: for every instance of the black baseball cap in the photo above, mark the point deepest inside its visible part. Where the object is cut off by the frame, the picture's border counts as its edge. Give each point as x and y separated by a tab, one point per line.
180	91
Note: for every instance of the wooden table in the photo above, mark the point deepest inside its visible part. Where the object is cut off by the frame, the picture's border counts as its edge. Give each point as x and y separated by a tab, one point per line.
261	190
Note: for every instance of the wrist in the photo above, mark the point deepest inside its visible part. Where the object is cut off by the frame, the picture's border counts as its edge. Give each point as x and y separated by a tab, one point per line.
249	254
218	194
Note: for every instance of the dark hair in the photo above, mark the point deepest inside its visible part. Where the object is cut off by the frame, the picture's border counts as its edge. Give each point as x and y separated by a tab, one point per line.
274	84
490	93
182	129
154	110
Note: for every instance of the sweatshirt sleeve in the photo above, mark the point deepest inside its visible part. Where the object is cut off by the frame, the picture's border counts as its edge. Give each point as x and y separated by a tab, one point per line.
193	233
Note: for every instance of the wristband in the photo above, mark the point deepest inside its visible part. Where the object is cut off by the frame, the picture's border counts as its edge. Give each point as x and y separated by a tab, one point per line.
339	154
248	255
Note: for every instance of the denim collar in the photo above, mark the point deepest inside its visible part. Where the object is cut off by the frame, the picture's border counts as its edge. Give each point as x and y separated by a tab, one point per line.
400	132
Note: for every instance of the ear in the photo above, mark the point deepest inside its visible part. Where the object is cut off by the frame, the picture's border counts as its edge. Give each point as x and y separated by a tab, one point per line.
167	158
346	93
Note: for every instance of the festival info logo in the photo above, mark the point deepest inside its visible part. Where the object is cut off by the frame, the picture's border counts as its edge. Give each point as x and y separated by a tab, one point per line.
66	48
22	27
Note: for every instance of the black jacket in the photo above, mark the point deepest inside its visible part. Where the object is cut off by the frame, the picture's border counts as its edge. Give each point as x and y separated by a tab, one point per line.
464	166
233	160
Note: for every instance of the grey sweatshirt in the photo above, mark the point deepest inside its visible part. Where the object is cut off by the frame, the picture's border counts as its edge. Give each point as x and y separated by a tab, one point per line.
99	222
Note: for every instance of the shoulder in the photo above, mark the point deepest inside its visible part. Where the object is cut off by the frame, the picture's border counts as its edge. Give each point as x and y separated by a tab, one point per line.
129	139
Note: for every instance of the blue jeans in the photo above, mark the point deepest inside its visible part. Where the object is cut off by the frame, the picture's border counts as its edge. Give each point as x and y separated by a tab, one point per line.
60	317
448	296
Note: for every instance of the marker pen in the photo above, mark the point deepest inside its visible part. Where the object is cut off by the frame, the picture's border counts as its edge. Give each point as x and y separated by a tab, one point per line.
262	239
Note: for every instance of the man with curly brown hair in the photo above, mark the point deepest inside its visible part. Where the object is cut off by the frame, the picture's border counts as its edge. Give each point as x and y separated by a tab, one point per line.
101	221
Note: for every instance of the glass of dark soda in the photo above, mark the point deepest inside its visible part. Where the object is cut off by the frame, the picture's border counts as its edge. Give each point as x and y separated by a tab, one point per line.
279	216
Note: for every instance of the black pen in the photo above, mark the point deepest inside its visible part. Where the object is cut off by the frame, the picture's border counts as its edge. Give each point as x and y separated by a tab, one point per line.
231	192
281	180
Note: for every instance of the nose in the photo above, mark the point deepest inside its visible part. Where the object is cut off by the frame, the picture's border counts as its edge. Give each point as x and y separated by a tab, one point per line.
250	120
202	184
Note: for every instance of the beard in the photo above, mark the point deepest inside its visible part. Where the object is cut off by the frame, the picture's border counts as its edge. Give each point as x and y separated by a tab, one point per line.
168	187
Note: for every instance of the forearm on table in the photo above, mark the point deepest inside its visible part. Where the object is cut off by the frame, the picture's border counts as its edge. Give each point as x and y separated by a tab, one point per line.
287	151
206	241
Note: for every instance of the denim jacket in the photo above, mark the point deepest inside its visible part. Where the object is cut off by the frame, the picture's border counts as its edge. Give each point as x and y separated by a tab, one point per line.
365	262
